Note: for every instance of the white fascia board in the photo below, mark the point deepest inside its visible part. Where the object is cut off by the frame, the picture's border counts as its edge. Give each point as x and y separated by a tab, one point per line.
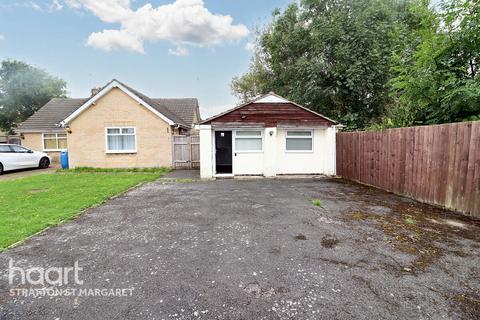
203	127
103	92
271	98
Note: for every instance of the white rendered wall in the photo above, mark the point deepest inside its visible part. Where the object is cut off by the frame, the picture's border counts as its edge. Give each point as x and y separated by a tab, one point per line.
274	159
270	156
247	162
206	152
320	161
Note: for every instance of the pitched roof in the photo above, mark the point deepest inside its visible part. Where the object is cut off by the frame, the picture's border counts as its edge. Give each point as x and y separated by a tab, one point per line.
267	98
49	117
184	108
157	106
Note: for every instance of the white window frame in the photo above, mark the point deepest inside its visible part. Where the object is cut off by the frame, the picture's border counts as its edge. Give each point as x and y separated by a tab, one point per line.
235	137
56	138
107	150
299	137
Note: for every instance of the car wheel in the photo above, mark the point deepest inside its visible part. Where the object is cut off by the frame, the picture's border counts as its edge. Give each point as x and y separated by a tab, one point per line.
1	168
44	163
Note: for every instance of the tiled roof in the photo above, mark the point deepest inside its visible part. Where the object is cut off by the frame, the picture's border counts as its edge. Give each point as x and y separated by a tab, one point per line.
47	118
160	108
184	108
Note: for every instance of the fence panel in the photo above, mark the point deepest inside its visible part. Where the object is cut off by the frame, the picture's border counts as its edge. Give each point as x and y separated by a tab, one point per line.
10	139
437	164
186	152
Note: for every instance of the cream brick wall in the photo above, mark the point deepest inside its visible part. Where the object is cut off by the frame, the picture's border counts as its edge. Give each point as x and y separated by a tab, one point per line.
34	141
87	144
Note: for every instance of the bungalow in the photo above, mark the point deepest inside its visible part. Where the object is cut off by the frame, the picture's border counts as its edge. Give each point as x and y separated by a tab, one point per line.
116	126
269	136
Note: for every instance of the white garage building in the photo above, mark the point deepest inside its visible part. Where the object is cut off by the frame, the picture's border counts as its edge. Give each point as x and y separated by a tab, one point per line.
269	136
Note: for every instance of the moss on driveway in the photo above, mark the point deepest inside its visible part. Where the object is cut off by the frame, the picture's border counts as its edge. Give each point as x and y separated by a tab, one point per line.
31	204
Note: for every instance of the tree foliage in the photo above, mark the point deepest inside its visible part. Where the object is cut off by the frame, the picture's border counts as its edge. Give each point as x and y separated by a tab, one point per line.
438	82
23	90
371	63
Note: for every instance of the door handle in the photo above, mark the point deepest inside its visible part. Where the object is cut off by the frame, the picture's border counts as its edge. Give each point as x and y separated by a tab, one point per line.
235	154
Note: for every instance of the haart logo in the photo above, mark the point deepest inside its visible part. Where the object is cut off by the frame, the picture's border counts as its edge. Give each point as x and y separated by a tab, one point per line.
53	276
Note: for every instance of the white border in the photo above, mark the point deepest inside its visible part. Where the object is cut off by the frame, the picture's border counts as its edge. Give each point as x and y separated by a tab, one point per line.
214	154
107	151
56	138
312	134
234	142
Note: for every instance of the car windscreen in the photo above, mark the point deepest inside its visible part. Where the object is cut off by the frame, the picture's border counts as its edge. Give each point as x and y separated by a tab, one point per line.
18	149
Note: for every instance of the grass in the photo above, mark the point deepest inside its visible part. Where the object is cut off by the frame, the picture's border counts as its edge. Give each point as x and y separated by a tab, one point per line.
317	203
410	220
34	203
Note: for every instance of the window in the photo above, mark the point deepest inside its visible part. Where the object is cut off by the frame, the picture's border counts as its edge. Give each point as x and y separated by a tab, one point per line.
54	141
248	141
5	149
299	141
18	149
121	140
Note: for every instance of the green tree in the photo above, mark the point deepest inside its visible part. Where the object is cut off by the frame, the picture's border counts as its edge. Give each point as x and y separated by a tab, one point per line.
436	81
333	56
254	82
23	90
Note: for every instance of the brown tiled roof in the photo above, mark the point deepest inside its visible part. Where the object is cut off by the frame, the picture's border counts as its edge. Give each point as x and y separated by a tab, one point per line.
160	108
184	108
47	118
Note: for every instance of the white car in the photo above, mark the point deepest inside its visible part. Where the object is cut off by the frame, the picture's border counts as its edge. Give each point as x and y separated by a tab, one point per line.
14	157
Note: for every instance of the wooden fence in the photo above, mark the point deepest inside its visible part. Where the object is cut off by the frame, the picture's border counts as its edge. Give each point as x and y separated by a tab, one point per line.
10	139
437	164
186	152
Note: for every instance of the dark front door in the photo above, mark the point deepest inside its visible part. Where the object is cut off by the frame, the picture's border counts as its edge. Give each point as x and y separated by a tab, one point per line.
223	151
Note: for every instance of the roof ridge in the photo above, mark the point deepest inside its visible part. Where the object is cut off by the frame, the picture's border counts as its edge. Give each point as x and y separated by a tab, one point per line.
58	109
163	110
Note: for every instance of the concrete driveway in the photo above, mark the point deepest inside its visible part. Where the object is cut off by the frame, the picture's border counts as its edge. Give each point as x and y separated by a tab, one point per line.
255	250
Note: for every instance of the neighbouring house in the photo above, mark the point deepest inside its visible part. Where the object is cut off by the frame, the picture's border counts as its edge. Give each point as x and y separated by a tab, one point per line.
116	127
269	136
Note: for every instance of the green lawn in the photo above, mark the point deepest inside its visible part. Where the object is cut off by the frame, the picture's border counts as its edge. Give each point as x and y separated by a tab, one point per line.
31	204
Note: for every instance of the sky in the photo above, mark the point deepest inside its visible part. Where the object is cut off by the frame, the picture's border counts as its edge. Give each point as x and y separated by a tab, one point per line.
163	48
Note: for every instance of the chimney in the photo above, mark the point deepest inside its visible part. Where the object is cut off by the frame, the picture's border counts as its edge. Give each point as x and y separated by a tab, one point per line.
95	90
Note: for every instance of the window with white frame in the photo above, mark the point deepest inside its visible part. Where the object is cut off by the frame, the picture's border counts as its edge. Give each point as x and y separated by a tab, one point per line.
121	140
54	141
248	141
299	141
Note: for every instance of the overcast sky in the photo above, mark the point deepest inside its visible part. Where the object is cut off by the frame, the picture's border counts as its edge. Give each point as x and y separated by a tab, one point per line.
163	48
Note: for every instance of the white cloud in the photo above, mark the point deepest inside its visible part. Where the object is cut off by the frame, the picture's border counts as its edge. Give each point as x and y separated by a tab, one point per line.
56	5
110	40
107	10
183	23
33	5
179	51
74	4
2	37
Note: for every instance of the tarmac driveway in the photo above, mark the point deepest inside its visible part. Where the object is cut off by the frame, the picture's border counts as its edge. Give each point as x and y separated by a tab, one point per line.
255	249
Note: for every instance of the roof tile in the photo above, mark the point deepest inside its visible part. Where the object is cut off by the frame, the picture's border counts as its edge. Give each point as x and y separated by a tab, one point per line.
47	118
